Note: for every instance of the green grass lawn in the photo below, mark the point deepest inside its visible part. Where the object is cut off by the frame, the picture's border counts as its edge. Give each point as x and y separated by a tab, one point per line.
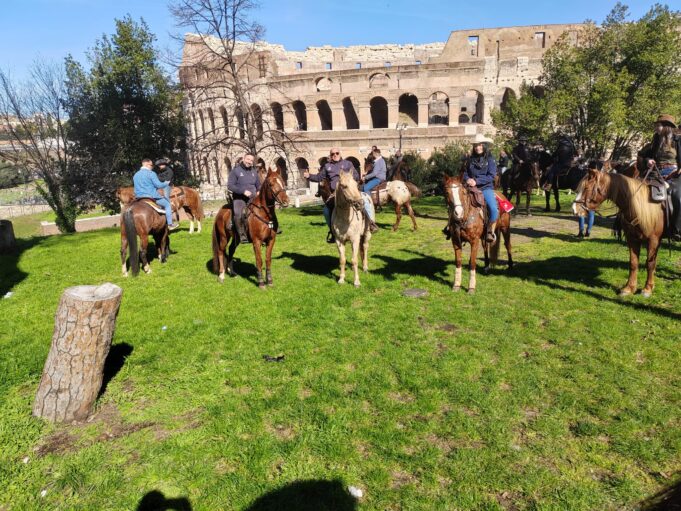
542	391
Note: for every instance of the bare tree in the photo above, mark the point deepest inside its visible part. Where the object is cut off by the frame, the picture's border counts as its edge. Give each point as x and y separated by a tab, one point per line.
224	72
33	117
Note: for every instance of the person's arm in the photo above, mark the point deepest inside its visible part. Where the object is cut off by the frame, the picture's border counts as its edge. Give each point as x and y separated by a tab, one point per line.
156	181
381	169
233	184
317	178
487	177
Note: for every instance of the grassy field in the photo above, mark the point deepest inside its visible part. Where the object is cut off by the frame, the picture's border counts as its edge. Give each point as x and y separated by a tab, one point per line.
542	391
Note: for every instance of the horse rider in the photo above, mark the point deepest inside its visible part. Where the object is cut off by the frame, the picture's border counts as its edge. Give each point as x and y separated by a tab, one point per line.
664	153
562	159
148	185
377	174
244	183
480	171
520	153
331	171
165	174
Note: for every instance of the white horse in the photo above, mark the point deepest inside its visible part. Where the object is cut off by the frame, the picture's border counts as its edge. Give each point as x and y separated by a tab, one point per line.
349	223
398	193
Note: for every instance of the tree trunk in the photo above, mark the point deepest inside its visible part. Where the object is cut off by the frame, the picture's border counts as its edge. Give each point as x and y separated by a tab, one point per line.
72	377
7	241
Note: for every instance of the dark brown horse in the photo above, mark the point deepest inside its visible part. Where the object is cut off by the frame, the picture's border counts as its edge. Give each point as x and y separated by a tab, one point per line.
642	220
140	218
259	225
467	224
524	180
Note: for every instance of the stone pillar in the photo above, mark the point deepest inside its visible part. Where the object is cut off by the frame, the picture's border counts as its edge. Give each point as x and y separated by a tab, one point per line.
8	242
338	118
364	114
423	112
313	122
393	114
454	109
290	121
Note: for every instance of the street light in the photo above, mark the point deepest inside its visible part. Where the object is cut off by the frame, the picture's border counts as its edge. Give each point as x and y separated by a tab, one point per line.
400	128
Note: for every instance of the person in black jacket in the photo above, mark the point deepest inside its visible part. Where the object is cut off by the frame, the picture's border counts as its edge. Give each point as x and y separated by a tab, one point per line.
165	174
244	183
562	160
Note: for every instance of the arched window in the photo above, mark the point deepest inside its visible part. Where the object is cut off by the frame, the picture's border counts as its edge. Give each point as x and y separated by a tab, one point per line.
463	119
211	120
278	115
280	164
241	123
438	109
502	99
226	169
408	110
225	119
325	117
256	112
302	165
206	170
474	104
301	115
216	166
203	126
354	161
351	120
379	112
323	161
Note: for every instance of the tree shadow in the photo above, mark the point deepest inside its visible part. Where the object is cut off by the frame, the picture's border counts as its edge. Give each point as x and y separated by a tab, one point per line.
156	501
423	265
669	499
310	211
315	265
310	495
533	233
10	274
115	361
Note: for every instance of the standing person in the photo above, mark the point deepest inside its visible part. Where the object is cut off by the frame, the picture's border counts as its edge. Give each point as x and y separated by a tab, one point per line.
377	174
331	171
591	216
244	183
480	172
148	185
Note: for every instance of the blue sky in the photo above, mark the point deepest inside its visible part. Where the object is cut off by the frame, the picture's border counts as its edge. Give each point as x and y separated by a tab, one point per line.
52	29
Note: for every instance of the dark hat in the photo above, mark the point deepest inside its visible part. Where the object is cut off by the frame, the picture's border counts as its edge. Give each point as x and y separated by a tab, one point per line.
162	161
667	119
522	138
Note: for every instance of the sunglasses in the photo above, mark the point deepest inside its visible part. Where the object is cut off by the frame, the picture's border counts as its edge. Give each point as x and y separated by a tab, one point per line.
335	154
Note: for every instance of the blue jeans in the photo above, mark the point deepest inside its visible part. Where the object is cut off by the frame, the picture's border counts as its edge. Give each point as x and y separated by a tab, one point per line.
667	170
369	205
371	184
590	224
492	206
165	204
327	215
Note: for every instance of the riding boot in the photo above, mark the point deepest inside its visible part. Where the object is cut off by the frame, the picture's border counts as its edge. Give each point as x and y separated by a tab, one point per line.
330	238
241	229
491	235
372	226
445	231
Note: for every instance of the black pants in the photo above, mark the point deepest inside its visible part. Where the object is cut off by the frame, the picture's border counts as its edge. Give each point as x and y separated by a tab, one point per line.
675	193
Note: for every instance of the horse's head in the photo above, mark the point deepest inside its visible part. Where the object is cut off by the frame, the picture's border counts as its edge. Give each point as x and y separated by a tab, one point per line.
347	188
455	194
277	188
368	164
591	192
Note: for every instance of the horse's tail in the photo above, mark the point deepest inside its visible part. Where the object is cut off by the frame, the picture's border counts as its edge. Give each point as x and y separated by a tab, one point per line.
199	206
494	249
216	244
131	234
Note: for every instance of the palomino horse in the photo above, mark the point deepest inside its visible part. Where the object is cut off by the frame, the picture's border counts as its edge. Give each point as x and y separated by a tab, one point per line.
180	197
467	224
260	227
139	218
642	220
395	191
349	223
524	179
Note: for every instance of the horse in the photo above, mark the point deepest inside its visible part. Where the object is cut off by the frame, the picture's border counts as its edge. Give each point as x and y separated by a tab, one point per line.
467	224
140	218
349	223
524	179
642	220
395	191
403	175
180	197
565	180
260	225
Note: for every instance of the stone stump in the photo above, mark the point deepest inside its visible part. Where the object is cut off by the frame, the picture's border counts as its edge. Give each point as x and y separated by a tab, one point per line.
8	242
83	328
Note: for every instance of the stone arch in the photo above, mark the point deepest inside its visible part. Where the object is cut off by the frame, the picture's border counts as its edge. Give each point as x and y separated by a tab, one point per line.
474	103
537	91
378	107
323	161
438	108
463	119
195	126
351	119
300	111
502	98
323	84
241	122
354	161
206	170
325	116
302	165
211	119
216	166
280	165
203	124
379	81
408	109
278	115
225	119
226	169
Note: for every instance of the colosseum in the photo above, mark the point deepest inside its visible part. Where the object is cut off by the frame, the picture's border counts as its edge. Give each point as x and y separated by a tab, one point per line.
417	97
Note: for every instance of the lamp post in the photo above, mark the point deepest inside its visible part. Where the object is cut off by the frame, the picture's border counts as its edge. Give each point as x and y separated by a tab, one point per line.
400	128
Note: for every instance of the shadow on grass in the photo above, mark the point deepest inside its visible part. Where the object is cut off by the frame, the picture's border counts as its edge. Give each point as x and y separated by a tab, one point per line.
315	265
423	265
156	501
242	269
311	495
10	274
115	361
669	499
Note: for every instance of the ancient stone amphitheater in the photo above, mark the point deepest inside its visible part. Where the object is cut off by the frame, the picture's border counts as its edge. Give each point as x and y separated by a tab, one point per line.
419	96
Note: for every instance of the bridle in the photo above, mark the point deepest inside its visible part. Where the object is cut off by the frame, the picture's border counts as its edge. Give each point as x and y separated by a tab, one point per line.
277	200
464	221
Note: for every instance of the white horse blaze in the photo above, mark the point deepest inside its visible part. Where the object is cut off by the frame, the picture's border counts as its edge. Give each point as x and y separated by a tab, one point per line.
456	198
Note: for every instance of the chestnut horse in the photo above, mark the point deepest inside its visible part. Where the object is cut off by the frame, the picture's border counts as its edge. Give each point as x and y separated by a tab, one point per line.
259	225
467	224
180	197
140	219
642	220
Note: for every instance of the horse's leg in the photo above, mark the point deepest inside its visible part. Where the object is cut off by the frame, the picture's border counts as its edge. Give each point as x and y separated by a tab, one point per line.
355	257
191	219
527	202
268	261
144	244
556	194
341	255
230	255
410	210
457	270
257	248
485	250
364	246
634	253
124	251
398	214
653	246
547	194
507	243
473	263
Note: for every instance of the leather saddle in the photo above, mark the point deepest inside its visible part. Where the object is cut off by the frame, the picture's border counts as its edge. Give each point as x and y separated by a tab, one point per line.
152	203
658	191
376	193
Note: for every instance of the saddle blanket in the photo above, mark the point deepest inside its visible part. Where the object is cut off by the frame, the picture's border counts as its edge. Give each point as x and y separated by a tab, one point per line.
156	207
504	205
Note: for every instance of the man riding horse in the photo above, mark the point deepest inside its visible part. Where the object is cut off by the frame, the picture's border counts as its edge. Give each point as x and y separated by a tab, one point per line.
331	171
562	160
148	185
377	174
244	183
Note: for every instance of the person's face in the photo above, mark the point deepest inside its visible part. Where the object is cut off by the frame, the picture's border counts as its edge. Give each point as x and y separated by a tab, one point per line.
248	161
162	166
658	127
148	165
479	148
334	154
503	153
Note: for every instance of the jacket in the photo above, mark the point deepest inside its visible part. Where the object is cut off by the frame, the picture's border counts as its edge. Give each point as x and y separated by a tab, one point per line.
379	171
482	169
331	170
241	180
147	183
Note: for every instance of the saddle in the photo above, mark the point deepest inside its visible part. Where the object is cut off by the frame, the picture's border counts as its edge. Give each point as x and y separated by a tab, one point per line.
477	198
176	192
152	203
376	193
658	190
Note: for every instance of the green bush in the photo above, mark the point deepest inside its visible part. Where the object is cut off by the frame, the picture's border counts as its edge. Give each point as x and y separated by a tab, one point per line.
11	175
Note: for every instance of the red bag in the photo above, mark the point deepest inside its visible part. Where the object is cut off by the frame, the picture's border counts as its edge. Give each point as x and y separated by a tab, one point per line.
504	205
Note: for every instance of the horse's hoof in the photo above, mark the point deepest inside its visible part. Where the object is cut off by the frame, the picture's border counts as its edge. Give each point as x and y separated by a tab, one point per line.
125	274
341	281
270	284
356	285
647	293
625	292
147	270
456	289
261	285
486	270
471	290
547	210
365	269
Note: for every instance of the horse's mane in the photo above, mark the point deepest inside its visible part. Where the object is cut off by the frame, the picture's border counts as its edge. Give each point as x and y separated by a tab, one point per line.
633	199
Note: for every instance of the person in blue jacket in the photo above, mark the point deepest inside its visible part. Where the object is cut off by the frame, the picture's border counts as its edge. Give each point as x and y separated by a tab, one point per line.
481	169
148	185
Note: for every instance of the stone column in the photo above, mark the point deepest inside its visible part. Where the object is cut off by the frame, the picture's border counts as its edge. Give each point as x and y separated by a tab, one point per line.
393	114
290	121
313	122
364	114
338	118
454	109
423	112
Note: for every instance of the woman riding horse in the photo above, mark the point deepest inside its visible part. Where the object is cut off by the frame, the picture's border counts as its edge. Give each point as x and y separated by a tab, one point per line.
480	172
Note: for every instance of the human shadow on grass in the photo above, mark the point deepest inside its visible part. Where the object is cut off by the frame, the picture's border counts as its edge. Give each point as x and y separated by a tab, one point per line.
315	265
156	501
533	233
115	361
310	495
422	265
10	274
669	499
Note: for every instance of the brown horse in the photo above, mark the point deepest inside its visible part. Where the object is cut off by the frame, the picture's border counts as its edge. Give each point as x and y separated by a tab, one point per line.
642	220
259	225
467	224
139	218
525	179
180	197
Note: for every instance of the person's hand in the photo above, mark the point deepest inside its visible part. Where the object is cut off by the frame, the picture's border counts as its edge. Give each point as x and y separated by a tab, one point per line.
248	193
651	163
306	174
162	192
470	182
